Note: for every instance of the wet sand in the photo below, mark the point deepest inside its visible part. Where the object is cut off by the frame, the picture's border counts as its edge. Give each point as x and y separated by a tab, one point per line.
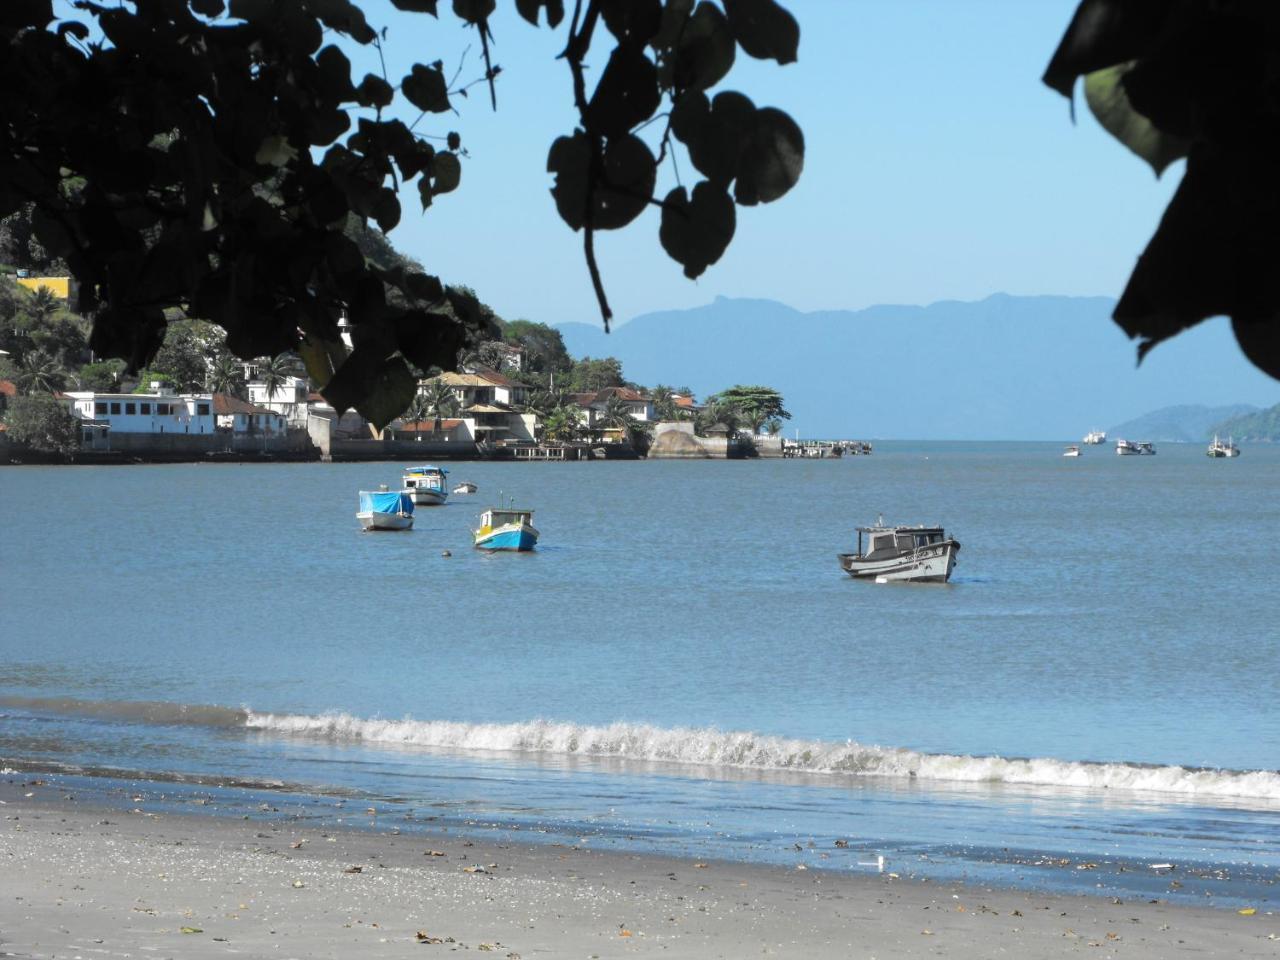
79	880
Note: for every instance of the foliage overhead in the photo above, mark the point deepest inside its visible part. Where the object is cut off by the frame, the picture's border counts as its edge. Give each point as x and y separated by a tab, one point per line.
205	156
1194	79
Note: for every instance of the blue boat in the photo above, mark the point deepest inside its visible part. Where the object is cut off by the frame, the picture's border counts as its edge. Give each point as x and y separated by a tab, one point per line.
385	510
508	529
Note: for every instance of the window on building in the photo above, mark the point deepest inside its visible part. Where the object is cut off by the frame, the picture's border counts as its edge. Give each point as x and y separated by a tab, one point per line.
202	409
162	409
129	408
100	406
144	408
115	407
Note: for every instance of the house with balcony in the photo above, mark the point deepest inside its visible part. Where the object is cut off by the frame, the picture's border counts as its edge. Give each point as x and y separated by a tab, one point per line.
290	399
488	400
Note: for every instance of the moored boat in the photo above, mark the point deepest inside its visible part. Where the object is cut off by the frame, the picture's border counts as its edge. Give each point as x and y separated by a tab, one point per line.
385	510
1141	448
922	554
506	529
1223	448
1071	451
465	487
426	485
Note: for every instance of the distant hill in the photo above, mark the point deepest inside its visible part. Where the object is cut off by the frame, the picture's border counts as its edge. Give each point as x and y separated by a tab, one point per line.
1187	423
1007	367
1262	426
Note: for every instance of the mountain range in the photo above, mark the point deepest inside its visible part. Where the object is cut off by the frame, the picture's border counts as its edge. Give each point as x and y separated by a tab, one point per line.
1185	423
1004	368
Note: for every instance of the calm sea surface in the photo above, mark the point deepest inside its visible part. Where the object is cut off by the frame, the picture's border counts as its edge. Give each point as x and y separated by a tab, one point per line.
681	665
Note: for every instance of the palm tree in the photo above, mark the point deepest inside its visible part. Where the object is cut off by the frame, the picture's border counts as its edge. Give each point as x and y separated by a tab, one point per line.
43	305
438	401
716	412
40	373
561	424
274	371
226	376
618	415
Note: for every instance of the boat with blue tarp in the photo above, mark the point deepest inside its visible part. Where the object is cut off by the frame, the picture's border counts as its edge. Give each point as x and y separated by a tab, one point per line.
426	485
385	510
506	529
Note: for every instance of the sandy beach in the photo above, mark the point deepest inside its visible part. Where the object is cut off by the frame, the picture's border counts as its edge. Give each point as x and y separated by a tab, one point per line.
81	880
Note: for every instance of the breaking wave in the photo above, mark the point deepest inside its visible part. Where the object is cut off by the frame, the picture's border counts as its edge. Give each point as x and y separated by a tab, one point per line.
709	747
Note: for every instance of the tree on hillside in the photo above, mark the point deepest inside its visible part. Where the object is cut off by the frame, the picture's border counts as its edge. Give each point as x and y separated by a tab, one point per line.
590	376
544	349
101	376
38	372
208	160
41	422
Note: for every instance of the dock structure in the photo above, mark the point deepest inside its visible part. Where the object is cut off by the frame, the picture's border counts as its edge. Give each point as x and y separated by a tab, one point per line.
824	449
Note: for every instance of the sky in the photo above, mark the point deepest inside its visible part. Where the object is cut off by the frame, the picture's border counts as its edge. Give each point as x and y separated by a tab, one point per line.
937	166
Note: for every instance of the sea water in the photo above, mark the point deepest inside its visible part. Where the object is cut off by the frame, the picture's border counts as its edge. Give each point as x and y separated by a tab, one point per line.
681	665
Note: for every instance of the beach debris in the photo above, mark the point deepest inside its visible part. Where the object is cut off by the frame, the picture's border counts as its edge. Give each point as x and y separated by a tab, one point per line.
423	937
434	853
355	869
1086	866
476	868
842	843
701	866
445	553
298	884
1247	911
801	866
1160	866
190	930
926	933
624	932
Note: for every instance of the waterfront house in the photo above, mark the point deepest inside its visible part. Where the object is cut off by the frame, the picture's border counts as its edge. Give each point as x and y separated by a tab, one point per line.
488	399
154	412
451	430
241	418
290	400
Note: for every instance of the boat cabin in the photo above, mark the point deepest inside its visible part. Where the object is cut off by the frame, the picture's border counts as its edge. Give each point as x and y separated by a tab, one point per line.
492	519
892	541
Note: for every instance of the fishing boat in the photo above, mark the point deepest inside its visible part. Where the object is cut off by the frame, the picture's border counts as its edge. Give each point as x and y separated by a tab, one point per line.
1071	451
464	487
426	485
922	554
1094	437
1219	448
506	529
385	510
1142	448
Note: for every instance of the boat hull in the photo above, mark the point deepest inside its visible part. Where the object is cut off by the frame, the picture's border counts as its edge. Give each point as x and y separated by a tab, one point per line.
510	537
931	564
423	497
385	521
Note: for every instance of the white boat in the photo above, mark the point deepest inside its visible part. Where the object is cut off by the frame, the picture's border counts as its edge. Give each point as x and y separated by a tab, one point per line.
1094	437
465	487
385	510
1142	448
426	485
923	554
506	529
1071	451
1219	448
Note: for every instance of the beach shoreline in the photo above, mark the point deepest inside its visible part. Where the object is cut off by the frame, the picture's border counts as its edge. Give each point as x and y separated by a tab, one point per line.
86	878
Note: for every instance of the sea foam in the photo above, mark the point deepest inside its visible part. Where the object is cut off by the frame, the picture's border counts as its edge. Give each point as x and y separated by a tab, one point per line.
709	747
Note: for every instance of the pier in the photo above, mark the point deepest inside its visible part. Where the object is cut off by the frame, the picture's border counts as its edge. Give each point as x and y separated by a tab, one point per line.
824	449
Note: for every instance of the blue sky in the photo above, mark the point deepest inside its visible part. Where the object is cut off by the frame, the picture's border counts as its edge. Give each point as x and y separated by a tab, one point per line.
937	167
